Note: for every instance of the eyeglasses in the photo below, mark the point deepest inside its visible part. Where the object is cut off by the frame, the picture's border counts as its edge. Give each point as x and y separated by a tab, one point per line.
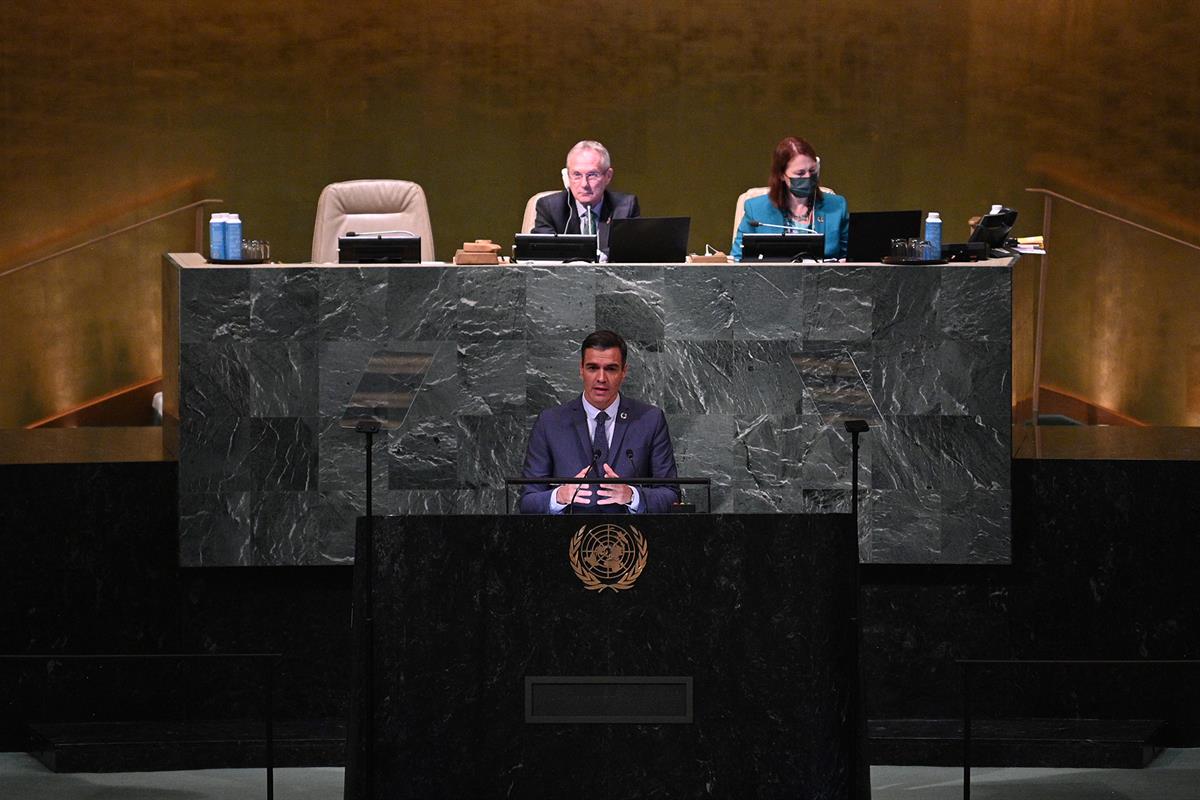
589	177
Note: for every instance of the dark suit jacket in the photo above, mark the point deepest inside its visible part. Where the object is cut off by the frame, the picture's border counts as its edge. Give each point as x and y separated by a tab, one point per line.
556	213
560	446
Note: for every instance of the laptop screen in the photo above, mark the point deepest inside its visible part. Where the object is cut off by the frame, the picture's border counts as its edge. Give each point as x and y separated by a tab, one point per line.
871	232
649	240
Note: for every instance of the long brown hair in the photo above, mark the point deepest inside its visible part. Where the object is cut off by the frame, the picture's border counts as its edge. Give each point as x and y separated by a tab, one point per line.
785	151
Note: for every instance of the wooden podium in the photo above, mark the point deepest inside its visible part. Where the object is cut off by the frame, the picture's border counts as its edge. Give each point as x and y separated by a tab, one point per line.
603	656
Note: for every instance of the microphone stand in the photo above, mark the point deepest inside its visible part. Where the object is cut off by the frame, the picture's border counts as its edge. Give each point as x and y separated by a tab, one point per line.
860	768
633	469
578	486
785	228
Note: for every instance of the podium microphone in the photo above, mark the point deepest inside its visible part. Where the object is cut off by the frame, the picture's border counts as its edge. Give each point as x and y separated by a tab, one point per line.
785	228
632	466
578	486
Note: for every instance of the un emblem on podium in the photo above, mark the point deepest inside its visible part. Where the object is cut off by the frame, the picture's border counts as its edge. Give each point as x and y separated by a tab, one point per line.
607	556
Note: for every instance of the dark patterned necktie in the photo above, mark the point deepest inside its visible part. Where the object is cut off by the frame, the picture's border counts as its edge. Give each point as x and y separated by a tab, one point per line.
600	442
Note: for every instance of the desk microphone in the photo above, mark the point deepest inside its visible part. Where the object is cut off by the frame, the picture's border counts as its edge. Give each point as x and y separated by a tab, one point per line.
632	466
785	228
578	486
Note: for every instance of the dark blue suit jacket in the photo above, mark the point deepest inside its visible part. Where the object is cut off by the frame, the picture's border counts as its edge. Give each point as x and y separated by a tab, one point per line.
556	214
560	446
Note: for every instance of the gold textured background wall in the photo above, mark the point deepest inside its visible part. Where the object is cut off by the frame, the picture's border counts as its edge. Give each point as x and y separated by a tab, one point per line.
114	111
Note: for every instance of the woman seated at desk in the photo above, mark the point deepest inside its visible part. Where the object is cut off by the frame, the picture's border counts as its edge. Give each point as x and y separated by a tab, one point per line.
796	202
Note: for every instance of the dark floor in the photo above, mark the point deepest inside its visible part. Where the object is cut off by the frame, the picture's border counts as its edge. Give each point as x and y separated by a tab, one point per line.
1174	775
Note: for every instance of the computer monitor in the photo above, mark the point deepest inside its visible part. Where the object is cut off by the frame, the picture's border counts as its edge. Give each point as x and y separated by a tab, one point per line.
555	247
372	248
871	233
783	247
649	240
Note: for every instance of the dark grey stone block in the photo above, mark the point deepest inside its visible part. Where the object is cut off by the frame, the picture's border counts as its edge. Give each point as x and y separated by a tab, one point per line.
283	454
353	304
423	454
492	376
630	300
281	378
767	302
905	301
698	303
284	304
422	303
757	368
560	303
214	454
213	380
491	304
214	305
838	304
974	306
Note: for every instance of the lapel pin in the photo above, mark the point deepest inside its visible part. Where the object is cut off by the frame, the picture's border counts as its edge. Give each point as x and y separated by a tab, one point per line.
624	415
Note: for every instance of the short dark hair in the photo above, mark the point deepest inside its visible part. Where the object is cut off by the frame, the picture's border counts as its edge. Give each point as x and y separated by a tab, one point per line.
602	340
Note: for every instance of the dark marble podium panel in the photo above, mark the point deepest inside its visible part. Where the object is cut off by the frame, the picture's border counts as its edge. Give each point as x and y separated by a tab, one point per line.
755	366
756	609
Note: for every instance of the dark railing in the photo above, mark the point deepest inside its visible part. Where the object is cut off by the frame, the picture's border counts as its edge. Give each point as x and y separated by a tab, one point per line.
268	683
969	664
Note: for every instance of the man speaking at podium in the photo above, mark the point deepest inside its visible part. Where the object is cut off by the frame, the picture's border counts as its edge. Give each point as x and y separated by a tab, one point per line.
586	205
600	434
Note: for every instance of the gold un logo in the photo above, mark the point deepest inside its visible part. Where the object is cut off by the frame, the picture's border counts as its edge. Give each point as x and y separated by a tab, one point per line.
608	556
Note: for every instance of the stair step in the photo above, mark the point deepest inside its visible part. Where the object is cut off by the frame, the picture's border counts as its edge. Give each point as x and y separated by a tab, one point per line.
1083	743
150	746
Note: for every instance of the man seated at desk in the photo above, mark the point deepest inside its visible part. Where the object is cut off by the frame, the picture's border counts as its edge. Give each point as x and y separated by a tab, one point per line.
594	432
587	206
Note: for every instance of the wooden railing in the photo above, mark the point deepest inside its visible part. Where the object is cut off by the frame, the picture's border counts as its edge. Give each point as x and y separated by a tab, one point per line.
198	206
1048	203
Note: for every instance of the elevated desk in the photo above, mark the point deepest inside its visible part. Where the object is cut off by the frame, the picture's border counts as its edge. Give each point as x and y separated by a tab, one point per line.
755	367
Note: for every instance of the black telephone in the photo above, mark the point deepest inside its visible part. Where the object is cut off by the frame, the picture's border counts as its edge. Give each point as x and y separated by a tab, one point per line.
994	227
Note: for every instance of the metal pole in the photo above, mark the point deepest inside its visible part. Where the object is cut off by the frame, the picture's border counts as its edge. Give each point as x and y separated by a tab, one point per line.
368	427
1043	270
269	690
854	477
370	479
860	767
359	733
368	719
966	731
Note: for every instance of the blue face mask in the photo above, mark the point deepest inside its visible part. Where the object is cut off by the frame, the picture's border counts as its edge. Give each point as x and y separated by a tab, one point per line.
802	187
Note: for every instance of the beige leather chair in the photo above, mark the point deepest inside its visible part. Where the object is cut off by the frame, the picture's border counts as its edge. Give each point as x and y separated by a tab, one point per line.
740	209
531	209
370	205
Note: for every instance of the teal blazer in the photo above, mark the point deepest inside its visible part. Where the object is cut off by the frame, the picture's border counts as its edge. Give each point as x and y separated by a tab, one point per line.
830	218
